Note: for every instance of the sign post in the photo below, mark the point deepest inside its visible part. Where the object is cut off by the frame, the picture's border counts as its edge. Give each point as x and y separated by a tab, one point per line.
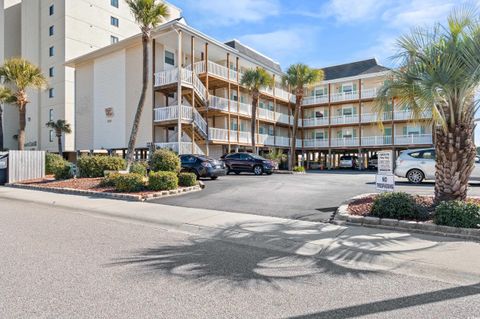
385	180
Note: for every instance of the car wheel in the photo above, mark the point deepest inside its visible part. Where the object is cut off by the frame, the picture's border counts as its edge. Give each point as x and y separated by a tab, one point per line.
415	176
214	177
258	170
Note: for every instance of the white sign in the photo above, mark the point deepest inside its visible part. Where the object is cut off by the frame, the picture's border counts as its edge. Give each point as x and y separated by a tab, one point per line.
385	162
385	183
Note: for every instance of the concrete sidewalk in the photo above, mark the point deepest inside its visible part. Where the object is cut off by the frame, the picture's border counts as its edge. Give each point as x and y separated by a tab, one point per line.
439	258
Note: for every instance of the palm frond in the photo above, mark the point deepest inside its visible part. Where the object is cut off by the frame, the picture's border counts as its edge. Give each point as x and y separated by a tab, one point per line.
148	13
22	74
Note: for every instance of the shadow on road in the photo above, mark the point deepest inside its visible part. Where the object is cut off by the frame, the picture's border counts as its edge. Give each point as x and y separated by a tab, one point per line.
395	303
250	255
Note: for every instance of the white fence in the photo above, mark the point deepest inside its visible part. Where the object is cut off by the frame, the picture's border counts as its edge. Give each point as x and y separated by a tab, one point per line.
25	165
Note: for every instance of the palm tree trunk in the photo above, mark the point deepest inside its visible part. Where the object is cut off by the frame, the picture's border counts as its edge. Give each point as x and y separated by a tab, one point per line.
60	148
1	128
21	129
293	142
455	160
254	120
133	135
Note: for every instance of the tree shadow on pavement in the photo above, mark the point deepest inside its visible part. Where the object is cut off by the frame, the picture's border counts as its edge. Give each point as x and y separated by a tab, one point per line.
253	254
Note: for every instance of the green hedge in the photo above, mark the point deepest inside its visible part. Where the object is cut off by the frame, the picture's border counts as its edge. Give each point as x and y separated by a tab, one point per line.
94	166
52	160
62	170
139	168
161	181
299	169
109	180
165	160
127	183
457	214
187	179
397	205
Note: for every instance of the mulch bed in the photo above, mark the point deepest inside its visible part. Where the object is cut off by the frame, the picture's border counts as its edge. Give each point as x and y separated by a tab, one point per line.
362	206
89	184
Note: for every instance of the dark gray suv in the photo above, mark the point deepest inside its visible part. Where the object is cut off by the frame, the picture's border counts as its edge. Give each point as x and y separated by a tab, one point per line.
247	162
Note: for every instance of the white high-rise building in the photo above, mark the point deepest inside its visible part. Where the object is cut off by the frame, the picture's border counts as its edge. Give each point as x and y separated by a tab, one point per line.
48	33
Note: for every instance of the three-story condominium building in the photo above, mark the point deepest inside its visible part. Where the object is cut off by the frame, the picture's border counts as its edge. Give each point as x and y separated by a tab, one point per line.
196	103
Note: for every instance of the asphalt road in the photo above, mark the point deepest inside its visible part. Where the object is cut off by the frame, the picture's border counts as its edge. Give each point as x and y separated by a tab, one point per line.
313	196
58	263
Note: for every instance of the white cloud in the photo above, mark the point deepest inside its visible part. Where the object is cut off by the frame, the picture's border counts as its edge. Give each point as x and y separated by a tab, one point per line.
348	11
224	12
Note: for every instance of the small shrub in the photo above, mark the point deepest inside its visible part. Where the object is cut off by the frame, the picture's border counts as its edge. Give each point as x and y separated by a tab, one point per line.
165	160
162	181
187	179
109	180
397	206
457	214
94	166
139	168
128	182
300	169
52	160
62	170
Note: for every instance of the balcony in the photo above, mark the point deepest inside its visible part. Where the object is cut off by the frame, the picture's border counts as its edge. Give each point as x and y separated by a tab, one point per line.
408	115
312	100
374	117
413	139
340	97
188	113
376	140
266	114
344	141
316	121
344	119
315	142
187	78
185	147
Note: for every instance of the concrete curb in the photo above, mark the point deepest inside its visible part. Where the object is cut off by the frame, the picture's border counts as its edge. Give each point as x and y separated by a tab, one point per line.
342	216
288	172
120	196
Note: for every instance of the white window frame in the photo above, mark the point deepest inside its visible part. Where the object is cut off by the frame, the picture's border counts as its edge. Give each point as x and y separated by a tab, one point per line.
350	84
165	57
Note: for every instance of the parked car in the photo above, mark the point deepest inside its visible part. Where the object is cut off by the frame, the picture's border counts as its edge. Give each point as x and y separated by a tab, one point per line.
347	161
373	162
202	166
418	165
246	162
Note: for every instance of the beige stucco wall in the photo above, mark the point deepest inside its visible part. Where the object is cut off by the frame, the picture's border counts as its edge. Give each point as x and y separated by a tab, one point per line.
84	107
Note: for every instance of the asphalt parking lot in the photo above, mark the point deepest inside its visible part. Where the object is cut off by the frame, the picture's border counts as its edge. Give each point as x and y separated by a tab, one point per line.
313	196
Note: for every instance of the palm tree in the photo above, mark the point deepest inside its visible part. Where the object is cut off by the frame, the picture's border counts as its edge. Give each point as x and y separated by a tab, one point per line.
6	96
254	80
22	75
60	126
439	72
299	77
148	15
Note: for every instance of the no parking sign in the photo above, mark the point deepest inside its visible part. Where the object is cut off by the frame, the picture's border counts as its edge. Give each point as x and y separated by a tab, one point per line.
385	180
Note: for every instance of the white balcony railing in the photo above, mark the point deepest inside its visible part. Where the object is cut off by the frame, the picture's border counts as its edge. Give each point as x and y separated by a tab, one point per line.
344	119
171	76
316	121
245	137
171	113
266	114
282	141
282	118
345	141
344	96
408	115
413	139
315	142
185	147
312	100
373	117
376	140
369	93
200	122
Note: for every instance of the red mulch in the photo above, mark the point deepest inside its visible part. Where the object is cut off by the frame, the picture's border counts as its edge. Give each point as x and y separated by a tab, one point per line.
362	206
90	184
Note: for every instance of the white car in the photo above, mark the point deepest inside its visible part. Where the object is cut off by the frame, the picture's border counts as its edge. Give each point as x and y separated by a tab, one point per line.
418	165
347	161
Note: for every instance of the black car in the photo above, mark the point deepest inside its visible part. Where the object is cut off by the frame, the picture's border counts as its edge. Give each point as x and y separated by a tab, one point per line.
246	162
202	166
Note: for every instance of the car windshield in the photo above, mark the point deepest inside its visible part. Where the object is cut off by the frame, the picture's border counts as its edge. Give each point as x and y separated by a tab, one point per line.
257	157
345	158
205	158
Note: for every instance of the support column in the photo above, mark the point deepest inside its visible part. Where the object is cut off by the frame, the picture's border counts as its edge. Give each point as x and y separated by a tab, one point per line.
238	100
179	90
329	128
229	124
208	99
360	155
153	95
192	55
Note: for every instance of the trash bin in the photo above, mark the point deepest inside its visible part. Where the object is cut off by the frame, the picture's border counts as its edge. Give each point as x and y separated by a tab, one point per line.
3	169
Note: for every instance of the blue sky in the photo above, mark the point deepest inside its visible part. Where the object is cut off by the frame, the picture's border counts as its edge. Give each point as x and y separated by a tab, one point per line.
317	32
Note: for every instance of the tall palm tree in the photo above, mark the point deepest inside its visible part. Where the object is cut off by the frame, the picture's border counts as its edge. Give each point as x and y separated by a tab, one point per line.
60	127
148	14
299	77
22	75
254	80
6	97
439	72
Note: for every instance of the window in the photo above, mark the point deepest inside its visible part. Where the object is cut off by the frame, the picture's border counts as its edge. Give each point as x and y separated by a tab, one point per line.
113	39
51	10
51	72
51	93
51	51
348	87
50	115
428	155
114	3
245	157
114	21
169	58
50	135
188	159
51	30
